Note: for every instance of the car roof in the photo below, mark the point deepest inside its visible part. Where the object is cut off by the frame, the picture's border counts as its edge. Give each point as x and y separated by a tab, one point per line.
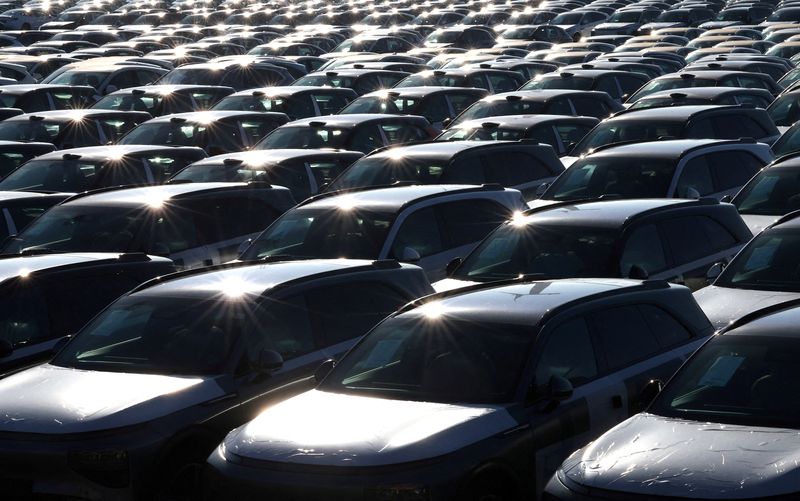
348	120
669	113
522	304
541	94
113	151
249	279
522	121
288	90
76	114
419	91
19	195
392	198
166	88
212	115
151	195
778	321
265	157
22	266
702	92
670	149
607	213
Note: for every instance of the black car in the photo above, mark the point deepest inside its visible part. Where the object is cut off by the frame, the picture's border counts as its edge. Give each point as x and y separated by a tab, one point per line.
161	100
710	78
296	101
758	98
42	97
71	128
361	81
493	80
239	75
616	83
15	153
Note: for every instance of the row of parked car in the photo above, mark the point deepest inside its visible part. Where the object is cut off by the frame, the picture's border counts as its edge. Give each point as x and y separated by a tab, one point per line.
409	251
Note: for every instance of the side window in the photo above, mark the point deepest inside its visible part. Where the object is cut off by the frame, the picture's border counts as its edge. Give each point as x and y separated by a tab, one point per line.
511	168
688	237
367	83
630	84
755	101
701	129
292	176
572	134
131	172
542	134
226	218
366	139
325	172
587	106
172	231
696	176
668	331
608	85
478	81
735	127
36	101
143	77
461	102
403	133
469	221
732	169
435	108
569	353
502	83
420	232
559	107
465	171
643	248
366	304
123	80
329	104
23	317
751	82
286	329
623	336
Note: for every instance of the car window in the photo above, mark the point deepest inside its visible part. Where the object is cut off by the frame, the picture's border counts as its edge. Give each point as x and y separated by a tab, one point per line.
365	139
756	101
667	330
623	336
173	231
326	171
366	303
511	168
571	134
469	221
590	106
293	176
502	83
224	218
735	127
461	102
643	248
695	179
559	107
286	328
420	231
403	133
609	86
732	169
36	101
132	172
23	316
690	237
569	353
329	104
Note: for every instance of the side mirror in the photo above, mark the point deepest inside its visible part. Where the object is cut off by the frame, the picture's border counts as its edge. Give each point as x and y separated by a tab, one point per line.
650	392
243	246
6	348
323	370
714	271
269	361
726	199
559	388
452	266
409	255
541	189
638	273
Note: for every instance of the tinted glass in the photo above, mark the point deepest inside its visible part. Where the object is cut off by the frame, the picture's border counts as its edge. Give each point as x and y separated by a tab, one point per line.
568	353
627	130
624	336
769	262
643	248
772	192
632	177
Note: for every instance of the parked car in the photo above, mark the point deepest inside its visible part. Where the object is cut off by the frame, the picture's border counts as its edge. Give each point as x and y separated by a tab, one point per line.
691	96
158	378
19	209
240	75
296	101
716	78
361	81
523	165
161	100
451	397
616	83
105	78
31	98
194	224
732	388
425	225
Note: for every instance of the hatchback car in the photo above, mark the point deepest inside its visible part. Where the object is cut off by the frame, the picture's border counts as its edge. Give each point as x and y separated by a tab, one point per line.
616	83
196	224
472	395
105	78
722	424
716	78
147	389
40	97
426	225
19	209
493	81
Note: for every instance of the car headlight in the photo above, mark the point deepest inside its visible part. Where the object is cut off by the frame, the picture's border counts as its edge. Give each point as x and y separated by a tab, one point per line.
109	467
404	492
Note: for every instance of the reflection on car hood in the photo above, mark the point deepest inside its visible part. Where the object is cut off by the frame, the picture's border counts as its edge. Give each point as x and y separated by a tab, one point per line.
50	399
449	284
659	456
758	223
723	305
332	429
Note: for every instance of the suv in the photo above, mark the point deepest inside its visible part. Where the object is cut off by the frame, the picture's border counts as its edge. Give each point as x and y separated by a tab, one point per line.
675	81
675	240
31	98
736	387
476	394
524	165
195	224
296	101
428	225
147	389
47	298
686	168
758	98
617	84
241	75
82	169
161	100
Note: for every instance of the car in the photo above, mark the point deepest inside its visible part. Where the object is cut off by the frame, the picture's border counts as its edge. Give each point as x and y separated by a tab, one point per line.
31	98
428	225
15	153
732	387
771	193
24	19
48	298
523	165
81	169
362	132
688	168
296	101
551	102
165	371
674	240
678	122
193	224
626	21
616	83
462	37
19	209
161	100
493	80
648	69
785	109
380	44
561	132
71	128
437	104
362	80
707	78
758	98
217	132
105	78
535	32
240	75
471	398
304	171
775	70
579	23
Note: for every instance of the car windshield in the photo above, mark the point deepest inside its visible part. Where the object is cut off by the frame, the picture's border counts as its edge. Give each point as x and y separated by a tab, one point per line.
620	131
384	171
76	228
168	133
52	175
31	130
482	134
559	82
193	76
496	108
555	250
324	233
769	262
789	142
737	379
160	335
669	84
304	138
435	359
399	105
772	192
636	177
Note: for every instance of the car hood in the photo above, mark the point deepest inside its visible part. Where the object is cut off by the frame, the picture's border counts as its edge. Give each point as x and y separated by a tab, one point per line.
51	399
332	429
723	305
758	223
658	456
449	284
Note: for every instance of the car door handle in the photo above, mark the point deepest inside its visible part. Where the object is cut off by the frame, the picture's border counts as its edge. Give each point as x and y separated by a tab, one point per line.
616	402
